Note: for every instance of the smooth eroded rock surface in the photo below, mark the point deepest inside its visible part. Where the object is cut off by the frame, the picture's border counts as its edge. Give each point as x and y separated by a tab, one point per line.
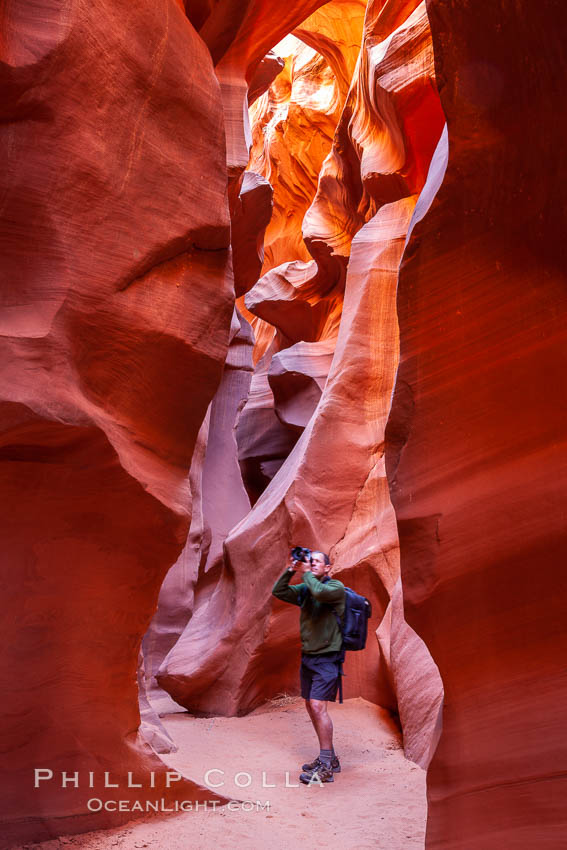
477	455
116	296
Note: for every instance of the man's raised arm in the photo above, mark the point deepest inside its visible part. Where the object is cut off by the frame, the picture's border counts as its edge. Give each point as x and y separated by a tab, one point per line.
286	592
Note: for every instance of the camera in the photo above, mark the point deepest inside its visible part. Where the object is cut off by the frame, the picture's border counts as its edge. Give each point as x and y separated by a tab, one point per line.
298	553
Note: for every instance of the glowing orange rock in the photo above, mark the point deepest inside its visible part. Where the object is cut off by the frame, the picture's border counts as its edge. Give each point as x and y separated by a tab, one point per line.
304	95
294	296
250	217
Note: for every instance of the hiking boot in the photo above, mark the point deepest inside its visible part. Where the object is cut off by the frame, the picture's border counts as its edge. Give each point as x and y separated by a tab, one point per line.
335	765
320	774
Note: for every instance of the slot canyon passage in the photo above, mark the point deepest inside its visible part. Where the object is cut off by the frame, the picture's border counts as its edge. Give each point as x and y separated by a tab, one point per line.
281	274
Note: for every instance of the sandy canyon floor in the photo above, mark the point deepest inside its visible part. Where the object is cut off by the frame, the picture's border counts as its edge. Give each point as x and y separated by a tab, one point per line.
377	802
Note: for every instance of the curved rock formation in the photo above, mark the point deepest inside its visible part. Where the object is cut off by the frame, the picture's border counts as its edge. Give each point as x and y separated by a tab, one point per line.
297	377
250	216
383	144
292	132
306	93
219	502
116	303
239	35
289	298
294	297
203	670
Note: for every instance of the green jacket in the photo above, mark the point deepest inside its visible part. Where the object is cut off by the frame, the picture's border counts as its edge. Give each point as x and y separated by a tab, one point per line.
317	622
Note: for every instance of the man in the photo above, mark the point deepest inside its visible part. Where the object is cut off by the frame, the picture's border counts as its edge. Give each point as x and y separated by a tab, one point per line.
321	599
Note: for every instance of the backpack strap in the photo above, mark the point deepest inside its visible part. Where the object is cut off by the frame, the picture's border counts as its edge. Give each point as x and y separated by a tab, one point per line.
342	655
341	674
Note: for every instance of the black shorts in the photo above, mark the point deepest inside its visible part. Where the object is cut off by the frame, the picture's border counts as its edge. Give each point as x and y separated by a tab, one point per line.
319	675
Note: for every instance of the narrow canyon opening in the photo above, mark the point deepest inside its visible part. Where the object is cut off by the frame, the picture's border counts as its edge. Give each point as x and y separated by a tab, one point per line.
343	123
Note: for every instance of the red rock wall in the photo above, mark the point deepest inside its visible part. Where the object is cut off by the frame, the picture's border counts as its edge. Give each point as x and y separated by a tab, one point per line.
477	460
116	300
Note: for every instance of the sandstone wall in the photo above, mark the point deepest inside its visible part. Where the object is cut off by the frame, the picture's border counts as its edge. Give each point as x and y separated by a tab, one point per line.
477	455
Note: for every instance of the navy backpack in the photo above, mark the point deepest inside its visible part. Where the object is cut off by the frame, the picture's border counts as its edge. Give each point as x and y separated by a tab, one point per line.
354	628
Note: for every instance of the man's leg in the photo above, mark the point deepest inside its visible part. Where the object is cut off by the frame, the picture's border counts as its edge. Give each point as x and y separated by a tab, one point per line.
309	712
318	686
326	762
322	723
